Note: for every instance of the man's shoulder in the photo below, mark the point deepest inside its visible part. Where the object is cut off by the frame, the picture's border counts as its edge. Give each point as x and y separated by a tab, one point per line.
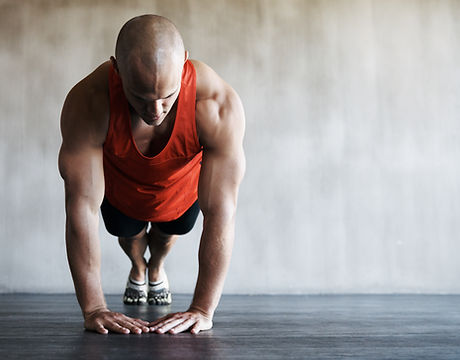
86	108
209	85
218	107
92	90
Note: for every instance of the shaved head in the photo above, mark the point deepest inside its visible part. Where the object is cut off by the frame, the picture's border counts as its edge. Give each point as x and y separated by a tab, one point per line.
150	56
151	40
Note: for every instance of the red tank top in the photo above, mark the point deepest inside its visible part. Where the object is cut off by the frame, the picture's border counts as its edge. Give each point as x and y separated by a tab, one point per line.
159	188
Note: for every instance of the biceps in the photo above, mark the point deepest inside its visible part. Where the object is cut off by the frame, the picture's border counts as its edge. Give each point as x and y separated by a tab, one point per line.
83	176
220	178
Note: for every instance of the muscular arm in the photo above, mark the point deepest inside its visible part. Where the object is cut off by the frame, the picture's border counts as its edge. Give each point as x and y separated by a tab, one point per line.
221	130
80	165
84	123
220	125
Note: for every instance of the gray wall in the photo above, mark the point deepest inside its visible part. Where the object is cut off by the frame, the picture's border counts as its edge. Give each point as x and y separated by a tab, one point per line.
352	140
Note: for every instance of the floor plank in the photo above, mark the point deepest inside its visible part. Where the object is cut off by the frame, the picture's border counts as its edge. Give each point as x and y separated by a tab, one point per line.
245	327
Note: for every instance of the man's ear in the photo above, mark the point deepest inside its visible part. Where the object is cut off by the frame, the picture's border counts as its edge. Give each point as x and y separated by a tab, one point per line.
114	64
186	56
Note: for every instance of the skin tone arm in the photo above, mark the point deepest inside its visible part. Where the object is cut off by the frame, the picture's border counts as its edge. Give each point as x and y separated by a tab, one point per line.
220	121
84	126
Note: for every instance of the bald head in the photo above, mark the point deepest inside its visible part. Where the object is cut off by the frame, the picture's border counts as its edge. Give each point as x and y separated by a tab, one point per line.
149	42
150	57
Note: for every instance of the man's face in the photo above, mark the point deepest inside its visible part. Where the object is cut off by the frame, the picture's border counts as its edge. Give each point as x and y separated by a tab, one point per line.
151	93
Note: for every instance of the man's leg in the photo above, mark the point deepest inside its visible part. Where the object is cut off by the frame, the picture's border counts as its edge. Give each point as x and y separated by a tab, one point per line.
136	287
161	238
132	238
135	247
160	244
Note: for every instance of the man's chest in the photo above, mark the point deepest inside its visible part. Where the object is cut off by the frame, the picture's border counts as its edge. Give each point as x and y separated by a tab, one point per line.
151	140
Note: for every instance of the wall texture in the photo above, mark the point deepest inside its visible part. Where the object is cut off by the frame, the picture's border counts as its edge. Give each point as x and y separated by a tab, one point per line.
352	140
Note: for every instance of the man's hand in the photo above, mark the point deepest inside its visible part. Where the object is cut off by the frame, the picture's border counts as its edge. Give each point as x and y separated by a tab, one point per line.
103	320
175	323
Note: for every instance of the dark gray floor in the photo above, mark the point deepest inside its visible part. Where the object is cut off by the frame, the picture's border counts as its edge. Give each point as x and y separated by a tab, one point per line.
245	327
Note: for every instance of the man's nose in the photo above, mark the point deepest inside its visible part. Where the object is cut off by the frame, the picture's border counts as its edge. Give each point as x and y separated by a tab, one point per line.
155	108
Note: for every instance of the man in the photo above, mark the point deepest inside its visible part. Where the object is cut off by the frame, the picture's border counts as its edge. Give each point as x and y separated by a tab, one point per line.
151	138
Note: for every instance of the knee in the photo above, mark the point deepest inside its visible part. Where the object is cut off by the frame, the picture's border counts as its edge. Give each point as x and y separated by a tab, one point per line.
128	236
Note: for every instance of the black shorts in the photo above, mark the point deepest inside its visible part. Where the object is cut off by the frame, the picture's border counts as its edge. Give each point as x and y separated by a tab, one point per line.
119	224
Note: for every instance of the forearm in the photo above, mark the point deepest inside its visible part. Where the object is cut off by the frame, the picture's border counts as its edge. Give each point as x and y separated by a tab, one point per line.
214	258
83	253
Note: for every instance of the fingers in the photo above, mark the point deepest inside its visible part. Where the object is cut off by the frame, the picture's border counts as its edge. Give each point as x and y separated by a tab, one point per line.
115	327
175	327
179	322
159	323
155	323
173	323
133	325
101	329
143	326
133	328
202	324
141	322
116	322
182	327
136	326
196	328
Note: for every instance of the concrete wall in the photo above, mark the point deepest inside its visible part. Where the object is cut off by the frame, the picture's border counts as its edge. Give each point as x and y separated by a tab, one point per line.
352	140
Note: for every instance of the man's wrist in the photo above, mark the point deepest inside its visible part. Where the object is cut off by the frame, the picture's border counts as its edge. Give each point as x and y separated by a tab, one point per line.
94	310
206	313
